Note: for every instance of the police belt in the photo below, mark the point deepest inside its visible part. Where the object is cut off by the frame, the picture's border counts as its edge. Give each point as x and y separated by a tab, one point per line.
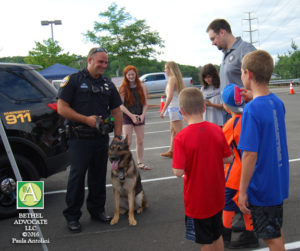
83	132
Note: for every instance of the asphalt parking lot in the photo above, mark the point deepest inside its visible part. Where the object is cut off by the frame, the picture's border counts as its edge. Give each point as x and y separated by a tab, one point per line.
161	225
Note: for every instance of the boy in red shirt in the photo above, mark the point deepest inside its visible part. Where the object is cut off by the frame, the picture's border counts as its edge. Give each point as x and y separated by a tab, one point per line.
200	150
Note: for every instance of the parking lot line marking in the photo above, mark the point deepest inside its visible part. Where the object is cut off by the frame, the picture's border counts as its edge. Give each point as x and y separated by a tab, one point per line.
157	112
152	148
159	179
143	181
109	185
293	160
157	131
288	246
158	122
111	136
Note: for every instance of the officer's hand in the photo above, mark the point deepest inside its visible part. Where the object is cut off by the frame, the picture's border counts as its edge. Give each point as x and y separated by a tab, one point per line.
91	121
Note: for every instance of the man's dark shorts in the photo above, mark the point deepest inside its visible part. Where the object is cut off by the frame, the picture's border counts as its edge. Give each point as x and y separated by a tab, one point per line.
204	231
267	221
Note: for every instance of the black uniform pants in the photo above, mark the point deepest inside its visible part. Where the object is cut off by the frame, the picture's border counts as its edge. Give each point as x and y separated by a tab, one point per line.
86	155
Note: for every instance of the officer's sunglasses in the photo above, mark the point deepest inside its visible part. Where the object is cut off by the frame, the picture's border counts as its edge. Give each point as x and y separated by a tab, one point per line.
100	49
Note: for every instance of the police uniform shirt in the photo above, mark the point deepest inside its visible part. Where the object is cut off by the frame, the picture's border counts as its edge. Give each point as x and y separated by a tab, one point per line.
89	96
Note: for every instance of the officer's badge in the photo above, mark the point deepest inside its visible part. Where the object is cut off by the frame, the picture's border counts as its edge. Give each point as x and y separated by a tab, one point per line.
231	58
83	86
65	81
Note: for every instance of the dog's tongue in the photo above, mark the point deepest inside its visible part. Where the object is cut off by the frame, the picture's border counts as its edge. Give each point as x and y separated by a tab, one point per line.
114	165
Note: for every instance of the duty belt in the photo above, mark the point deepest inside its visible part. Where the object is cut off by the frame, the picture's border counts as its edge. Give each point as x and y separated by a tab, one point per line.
83	132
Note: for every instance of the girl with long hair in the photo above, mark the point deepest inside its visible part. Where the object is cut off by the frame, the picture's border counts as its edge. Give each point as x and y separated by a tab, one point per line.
210	80
174	86
134	96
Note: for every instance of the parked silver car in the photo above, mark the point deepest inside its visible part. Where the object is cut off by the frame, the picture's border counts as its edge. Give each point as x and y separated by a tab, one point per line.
156	82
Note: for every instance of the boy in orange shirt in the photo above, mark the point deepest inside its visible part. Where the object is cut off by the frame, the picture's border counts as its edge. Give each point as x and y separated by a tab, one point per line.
232	130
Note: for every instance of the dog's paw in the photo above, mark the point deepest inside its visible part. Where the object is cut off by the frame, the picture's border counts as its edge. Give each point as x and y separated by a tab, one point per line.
132	222
114	221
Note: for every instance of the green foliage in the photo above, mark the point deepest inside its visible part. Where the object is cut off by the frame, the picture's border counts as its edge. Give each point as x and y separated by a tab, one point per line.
147	66
129	41
190	71
49	53
17	59
288	65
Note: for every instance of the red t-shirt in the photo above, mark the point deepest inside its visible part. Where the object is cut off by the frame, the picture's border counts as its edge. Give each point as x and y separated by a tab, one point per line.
199	150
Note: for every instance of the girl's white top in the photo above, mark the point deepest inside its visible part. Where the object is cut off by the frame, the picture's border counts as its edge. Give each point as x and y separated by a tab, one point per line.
174	101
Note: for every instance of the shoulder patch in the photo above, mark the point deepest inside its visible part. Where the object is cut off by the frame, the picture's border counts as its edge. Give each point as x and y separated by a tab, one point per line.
65	81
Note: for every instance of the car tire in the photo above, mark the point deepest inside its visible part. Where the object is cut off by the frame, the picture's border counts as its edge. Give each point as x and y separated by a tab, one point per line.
27	171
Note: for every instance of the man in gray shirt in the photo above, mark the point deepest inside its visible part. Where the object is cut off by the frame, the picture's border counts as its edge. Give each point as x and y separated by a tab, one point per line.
234	49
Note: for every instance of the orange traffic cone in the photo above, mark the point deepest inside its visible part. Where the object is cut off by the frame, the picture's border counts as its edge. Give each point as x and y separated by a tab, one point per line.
291	88
162	103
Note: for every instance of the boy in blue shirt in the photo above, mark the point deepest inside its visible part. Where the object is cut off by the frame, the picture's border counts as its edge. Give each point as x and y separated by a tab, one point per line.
265	166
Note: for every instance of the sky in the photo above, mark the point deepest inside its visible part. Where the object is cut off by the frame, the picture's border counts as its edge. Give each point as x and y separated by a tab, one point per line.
181	24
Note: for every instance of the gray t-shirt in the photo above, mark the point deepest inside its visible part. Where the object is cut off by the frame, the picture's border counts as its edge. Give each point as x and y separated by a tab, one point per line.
213	114
230	70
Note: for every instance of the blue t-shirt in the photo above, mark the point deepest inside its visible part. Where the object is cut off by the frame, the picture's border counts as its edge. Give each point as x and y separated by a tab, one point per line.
263	131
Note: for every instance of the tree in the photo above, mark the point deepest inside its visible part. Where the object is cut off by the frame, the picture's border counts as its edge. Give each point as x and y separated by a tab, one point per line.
48	54
15	59
127	40
288	65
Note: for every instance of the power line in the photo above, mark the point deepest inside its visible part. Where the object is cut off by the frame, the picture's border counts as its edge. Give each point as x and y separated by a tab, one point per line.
287	19
275	6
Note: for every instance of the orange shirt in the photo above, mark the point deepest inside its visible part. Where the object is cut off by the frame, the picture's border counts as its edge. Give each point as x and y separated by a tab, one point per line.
232	130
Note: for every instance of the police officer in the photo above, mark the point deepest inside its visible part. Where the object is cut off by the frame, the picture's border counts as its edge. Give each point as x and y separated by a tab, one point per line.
85	97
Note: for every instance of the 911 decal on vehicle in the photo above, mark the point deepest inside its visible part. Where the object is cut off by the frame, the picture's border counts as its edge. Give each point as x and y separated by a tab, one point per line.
15	117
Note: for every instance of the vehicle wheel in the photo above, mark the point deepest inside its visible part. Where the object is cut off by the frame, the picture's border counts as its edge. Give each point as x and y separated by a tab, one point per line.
27	171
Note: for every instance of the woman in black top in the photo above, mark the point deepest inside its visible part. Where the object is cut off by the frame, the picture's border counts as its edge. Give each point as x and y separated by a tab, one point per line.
133	94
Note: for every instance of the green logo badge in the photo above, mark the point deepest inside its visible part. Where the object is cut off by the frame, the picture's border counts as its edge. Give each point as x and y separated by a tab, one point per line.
30	195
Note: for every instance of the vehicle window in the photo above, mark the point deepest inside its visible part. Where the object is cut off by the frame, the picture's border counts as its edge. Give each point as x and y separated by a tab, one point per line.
160	77
150	78
14	86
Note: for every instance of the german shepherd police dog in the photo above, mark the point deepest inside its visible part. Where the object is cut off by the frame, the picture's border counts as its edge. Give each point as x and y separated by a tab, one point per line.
126	182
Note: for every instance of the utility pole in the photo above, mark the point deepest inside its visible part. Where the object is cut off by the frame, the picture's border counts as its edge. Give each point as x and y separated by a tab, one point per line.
249	19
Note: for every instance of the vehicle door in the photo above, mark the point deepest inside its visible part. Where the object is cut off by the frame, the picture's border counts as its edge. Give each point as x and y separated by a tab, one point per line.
161	82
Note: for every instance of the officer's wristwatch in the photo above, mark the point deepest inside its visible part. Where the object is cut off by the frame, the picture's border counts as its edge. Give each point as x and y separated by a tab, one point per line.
118	136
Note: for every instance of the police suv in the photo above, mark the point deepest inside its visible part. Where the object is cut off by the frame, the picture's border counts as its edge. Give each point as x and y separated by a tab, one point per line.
28	112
